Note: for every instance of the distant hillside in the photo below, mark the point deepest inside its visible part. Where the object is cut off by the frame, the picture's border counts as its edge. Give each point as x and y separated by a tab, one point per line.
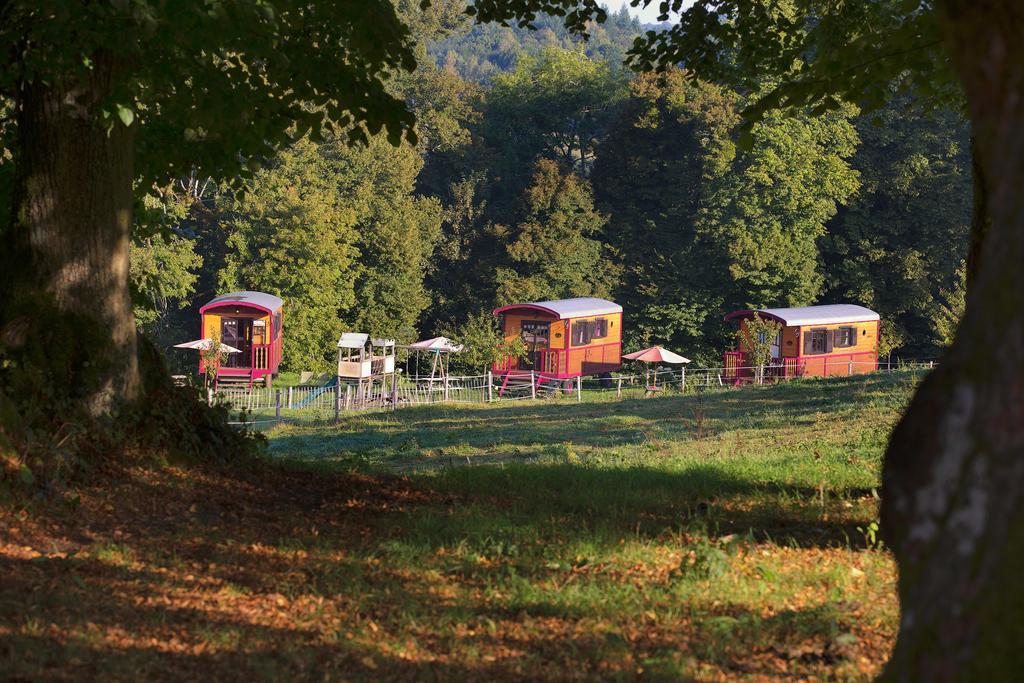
482	51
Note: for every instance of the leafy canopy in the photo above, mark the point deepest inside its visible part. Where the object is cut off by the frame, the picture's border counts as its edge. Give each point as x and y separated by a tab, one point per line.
820	53
553	252
212	83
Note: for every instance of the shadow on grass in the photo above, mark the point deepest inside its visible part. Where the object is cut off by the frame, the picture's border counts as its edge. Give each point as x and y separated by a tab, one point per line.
722	642
275	574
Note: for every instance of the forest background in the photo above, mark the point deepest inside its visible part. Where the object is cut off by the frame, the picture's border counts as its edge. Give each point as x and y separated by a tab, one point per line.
546	169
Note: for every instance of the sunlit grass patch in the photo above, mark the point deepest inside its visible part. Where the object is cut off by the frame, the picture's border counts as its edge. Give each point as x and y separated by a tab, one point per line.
114	553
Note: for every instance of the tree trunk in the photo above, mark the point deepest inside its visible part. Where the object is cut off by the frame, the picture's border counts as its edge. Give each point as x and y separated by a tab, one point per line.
979	215
954	470
66	253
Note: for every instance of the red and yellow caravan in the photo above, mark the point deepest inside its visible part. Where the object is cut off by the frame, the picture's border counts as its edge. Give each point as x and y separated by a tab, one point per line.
815	341
564	338
250	322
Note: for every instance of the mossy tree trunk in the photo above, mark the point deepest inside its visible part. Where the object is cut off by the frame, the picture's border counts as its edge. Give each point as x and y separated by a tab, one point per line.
64	260
952	507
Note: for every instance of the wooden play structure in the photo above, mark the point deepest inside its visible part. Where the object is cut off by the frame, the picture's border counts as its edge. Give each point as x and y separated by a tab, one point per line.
566	338
367	364
251	323
815	341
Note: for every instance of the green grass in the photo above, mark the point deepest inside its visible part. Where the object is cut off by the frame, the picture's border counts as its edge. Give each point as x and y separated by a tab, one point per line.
801	434
715	536
544	491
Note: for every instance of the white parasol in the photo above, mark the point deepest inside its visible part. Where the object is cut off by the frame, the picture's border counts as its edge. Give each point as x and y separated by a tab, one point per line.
204	344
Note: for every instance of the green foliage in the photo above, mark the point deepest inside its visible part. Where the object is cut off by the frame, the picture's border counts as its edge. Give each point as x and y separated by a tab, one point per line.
757	336
163	273
397	233
555	106
871	536
176	423
702	227
769	211
653	174
890	337
678	226
481	52
897	245
336	232
552	252
218	86
211	358
483	344
704	559
950	308
813	51
889	250
290	236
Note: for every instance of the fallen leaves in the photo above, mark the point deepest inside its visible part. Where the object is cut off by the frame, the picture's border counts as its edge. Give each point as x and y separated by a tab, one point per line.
297	574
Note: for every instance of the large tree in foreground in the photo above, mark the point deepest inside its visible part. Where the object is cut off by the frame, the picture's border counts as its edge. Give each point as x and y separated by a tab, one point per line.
953	479
106	92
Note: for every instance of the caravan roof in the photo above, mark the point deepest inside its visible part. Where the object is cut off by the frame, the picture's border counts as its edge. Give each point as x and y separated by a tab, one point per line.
563	309
811	315
262	300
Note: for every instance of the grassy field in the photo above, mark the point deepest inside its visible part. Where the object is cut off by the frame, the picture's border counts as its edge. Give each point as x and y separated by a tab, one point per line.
724	536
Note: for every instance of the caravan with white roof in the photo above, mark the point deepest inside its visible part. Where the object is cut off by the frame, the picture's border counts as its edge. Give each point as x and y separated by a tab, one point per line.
815	341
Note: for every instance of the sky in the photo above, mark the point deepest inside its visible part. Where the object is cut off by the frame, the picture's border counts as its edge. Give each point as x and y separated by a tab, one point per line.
647	15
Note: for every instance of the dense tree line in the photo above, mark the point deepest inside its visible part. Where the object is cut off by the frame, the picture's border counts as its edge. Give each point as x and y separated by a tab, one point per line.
557	173
482	52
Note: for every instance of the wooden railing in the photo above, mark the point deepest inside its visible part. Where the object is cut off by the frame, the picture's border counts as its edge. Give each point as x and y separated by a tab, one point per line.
739	367
544	361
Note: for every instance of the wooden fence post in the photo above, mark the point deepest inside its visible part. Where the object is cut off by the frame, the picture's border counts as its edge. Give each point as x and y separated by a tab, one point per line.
682	380
348	396
290	398
337	400
618	390
277	405
850	369
579	389
490	386
533	386
446	387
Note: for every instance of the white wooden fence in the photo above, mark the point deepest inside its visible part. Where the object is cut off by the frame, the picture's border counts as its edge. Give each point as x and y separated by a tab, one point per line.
261	406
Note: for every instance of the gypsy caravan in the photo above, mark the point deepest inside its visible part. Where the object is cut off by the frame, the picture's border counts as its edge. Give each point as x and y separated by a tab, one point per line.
251	323
565	338
815	341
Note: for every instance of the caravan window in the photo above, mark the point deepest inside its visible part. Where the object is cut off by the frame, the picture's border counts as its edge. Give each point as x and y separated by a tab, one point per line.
586	331
845	337
817	341
535	332
580	333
